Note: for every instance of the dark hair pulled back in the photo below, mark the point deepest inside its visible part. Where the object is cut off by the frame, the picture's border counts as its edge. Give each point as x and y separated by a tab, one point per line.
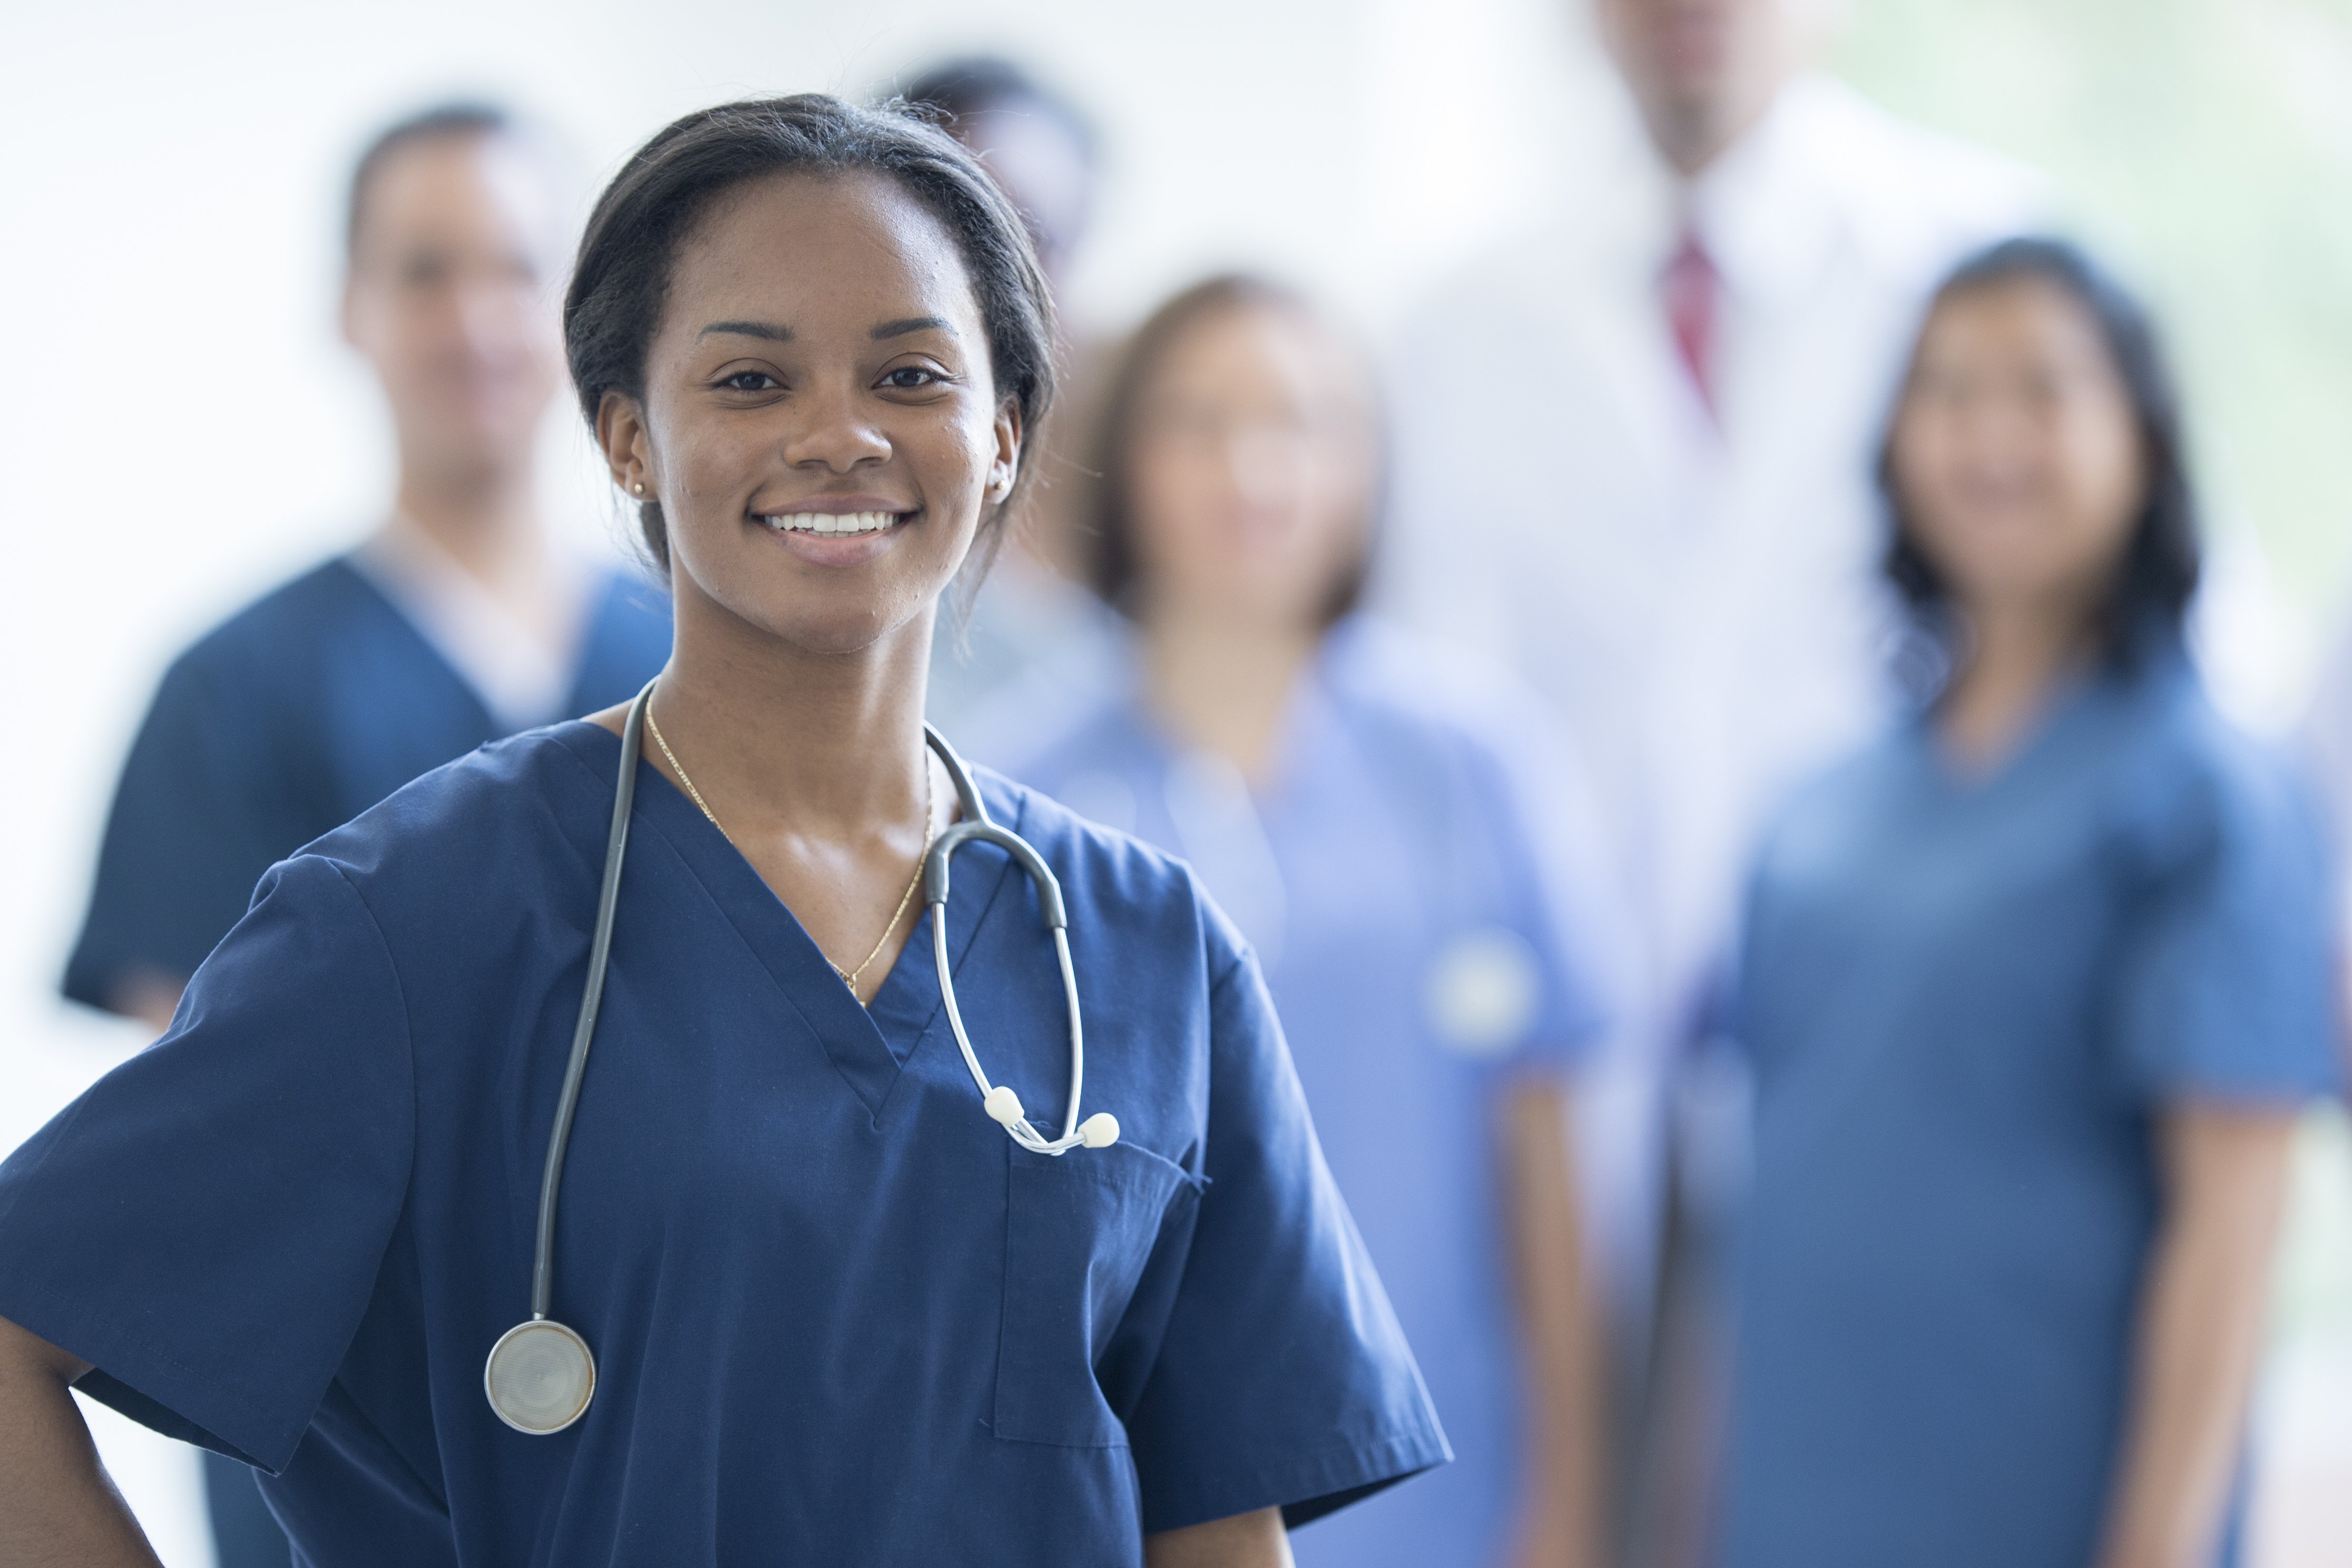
622	282
2148	599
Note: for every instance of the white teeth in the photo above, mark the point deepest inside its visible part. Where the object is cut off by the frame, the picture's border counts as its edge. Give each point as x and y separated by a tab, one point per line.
829	522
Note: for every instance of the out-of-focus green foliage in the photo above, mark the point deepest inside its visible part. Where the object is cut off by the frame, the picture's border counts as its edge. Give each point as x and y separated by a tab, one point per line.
2207	145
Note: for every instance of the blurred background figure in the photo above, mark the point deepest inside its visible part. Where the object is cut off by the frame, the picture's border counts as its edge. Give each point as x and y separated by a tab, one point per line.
2035	988
460	619
1635	462
1387	826
1027	615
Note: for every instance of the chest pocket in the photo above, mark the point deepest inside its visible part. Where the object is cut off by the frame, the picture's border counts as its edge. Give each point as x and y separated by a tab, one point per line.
1079	1233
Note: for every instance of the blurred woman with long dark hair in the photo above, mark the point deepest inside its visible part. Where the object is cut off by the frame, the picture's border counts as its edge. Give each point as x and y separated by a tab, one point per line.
2035	989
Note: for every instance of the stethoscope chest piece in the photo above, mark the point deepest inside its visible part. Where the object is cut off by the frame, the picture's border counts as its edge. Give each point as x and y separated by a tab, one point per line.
540	1378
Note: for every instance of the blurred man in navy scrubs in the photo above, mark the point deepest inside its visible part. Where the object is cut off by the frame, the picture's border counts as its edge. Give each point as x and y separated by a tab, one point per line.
460	618
1700	340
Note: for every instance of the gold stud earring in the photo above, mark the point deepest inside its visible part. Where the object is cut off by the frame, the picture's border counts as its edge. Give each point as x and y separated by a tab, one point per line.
638	485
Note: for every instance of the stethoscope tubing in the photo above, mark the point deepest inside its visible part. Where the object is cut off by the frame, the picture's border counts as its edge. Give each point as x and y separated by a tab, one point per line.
976	825
592	997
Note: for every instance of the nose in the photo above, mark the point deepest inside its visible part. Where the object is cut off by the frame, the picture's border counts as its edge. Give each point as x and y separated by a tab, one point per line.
834	434
1261	461
490	314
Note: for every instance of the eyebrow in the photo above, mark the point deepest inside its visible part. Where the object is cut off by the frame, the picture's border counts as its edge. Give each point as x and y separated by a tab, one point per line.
912	324
765	330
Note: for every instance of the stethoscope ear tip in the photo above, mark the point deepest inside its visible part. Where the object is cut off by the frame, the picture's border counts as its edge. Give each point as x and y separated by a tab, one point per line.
1099	1130
1004	1106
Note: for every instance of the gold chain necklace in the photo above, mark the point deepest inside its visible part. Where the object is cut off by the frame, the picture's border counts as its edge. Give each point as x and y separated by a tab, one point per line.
849	977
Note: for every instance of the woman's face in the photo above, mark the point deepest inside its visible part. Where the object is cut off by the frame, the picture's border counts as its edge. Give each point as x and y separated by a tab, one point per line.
1253	468
821	423
2016	454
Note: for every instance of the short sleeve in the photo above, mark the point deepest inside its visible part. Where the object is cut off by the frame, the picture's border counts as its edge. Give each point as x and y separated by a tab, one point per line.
195	822
206	1224
1282	1377
2227	974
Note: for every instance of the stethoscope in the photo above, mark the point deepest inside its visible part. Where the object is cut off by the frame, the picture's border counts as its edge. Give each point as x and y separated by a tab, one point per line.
540	1375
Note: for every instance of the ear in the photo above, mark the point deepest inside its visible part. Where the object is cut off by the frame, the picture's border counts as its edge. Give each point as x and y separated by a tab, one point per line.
627	445
1004	467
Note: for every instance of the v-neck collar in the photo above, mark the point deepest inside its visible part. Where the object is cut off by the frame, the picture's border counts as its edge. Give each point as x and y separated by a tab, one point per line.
2062	712
868	1046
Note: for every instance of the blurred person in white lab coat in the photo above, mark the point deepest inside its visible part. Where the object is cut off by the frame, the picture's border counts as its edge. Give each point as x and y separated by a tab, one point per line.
1032	614
1634	462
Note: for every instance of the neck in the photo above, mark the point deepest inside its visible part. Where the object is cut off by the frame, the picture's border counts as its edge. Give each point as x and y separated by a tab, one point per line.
487	519
1224	683
1690	137
2018	656
789	741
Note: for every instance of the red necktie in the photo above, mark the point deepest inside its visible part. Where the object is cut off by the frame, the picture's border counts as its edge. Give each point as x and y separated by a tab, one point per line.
1691	287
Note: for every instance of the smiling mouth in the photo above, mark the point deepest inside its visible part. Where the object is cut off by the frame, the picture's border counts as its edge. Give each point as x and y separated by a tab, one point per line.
832	522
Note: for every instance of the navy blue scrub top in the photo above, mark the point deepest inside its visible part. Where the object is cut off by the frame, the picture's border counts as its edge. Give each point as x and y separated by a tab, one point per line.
288	720
1967	1002
838	1315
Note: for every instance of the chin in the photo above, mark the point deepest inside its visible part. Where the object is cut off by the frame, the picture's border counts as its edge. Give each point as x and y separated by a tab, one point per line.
844	629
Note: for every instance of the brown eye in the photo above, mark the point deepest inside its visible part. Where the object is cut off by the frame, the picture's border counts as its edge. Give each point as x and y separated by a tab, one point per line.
910	378
751	381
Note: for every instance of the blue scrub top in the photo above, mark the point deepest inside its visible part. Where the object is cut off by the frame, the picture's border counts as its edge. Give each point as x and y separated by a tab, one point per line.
838	1315
1400	863
1966	1001
292	718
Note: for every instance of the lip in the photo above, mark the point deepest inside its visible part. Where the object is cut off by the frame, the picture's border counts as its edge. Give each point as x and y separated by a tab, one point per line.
832	506
834	550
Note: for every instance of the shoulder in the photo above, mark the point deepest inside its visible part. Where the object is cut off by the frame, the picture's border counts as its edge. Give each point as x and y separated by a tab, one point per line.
1420	697
2189	783
1149	901
1049	725
1912	197
1061	711
501	816
271	636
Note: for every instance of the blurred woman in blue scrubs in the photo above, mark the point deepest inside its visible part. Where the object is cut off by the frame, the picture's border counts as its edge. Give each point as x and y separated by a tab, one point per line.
458	620
1379	821
2035	989
836	1313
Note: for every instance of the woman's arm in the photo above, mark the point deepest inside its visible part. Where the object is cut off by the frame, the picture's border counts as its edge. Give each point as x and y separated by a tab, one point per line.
1560	1507
57	1505
2199	1335
1244	1541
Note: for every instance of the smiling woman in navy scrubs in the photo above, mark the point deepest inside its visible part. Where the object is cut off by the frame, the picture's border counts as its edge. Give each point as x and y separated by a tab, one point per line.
2035	989
836	1312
